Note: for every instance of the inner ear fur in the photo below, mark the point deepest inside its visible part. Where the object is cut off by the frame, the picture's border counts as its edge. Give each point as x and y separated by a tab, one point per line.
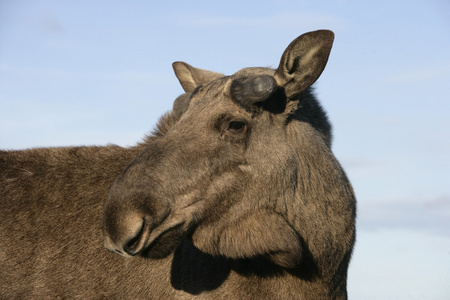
190	77
262	233
303	61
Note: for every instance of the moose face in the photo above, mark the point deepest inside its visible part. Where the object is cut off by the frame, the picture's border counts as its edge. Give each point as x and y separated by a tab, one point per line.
226	173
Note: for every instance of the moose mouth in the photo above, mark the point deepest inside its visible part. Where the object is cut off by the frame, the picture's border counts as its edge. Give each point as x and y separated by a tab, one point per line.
158	242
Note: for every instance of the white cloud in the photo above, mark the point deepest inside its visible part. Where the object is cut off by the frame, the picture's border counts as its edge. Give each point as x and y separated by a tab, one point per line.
427	215
438	203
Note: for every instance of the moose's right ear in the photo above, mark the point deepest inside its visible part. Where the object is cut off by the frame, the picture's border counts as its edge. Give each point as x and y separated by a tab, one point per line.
191	77
303	61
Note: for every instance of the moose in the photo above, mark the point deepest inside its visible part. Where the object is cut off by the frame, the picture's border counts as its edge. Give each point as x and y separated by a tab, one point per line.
236	194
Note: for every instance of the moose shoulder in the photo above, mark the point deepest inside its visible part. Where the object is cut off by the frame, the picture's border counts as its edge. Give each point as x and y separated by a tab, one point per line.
242	196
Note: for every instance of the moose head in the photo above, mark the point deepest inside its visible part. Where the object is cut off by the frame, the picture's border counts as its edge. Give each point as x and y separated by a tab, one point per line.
247	170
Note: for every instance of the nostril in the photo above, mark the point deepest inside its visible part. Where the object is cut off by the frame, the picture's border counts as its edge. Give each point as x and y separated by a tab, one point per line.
136	244
127	235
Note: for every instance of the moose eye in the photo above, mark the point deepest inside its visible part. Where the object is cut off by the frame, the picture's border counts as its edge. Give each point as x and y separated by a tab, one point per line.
235	127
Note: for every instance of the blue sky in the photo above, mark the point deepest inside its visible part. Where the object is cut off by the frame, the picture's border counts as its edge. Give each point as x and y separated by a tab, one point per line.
98	72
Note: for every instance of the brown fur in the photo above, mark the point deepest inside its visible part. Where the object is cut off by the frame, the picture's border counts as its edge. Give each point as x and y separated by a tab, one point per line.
246	176
267	231
51	203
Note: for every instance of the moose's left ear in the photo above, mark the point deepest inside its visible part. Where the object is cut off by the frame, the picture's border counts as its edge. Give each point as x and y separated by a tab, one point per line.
303	61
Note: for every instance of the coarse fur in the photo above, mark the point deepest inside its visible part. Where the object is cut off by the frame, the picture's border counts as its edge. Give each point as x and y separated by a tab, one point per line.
266	214
248	177
51	206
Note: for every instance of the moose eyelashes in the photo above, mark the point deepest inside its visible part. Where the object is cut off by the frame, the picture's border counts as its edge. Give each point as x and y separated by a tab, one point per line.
233	130
235	127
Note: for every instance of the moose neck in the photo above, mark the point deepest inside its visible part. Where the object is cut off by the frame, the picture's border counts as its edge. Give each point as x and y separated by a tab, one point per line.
323	204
